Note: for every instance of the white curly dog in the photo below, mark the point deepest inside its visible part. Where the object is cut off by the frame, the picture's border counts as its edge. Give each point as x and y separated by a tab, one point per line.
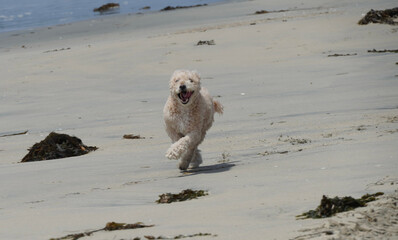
188	114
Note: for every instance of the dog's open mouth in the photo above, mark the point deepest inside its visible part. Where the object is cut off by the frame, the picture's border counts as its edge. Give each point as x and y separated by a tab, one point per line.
185	96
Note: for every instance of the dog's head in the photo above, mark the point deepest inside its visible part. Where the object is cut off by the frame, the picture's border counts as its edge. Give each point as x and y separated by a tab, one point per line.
184	86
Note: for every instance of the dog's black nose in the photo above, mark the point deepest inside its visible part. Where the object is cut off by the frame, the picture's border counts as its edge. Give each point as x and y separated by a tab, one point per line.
183	87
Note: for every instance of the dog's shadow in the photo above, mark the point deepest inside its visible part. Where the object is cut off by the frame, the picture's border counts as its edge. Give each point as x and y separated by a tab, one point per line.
216	168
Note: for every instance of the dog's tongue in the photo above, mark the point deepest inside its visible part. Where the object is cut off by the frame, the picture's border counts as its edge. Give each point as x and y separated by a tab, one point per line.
186	95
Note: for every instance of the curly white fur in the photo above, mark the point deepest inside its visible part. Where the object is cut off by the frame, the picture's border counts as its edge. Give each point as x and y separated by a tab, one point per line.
188	114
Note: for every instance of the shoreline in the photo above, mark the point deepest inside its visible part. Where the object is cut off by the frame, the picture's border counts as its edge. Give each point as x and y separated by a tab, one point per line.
106	25
308	112
83	12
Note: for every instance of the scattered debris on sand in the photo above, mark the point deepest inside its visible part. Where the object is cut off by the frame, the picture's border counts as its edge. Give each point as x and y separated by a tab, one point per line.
57	50
331	206
9	134
388	16
342	55
293	141
184	195
107	7
56	146
132	136
110	226
206	42
361	128
225	157
392	119
265	11
383	51
266	153
168	8
179	236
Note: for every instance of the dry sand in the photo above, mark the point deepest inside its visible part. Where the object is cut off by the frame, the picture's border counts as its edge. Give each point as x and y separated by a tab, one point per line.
297	124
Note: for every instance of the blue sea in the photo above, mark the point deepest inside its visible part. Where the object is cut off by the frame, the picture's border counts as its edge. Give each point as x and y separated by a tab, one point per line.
28	14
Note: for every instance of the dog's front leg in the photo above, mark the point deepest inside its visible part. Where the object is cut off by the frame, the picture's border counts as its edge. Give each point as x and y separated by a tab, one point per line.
196	159
176	149
186	159
183	145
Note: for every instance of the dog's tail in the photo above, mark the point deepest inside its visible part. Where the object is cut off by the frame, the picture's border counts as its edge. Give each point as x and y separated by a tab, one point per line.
218	107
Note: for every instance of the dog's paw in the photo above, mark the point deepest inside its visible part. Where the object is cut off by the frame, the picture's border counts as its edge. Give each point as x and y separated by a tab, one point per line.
172	154
183	165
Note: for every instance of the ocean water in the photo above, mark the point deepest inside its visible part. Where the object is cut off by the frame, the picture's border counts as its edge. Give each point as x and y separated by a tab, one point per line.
28	14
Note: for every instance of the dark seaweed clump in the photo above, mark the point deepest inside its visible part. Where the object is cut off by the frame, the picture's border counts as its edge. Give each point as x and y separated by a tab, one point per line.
56	146
184	195
342	55
331	206
265	11
107	7
383	51
169	8
380	16
206	42
113	226
132	136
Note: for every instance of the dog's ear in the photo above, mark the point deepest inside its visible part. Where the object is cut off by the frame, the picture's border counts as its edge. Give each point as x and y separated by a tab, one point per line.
196	75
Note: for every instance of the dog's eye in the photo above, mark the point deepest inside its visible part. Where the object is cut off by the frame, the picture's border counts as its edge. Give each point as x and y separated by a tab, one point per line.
191	80
177	80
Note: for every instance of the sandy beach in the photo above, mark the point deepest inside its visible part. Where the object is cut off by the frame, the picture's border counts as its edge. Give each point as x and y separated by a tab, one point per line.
309	111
